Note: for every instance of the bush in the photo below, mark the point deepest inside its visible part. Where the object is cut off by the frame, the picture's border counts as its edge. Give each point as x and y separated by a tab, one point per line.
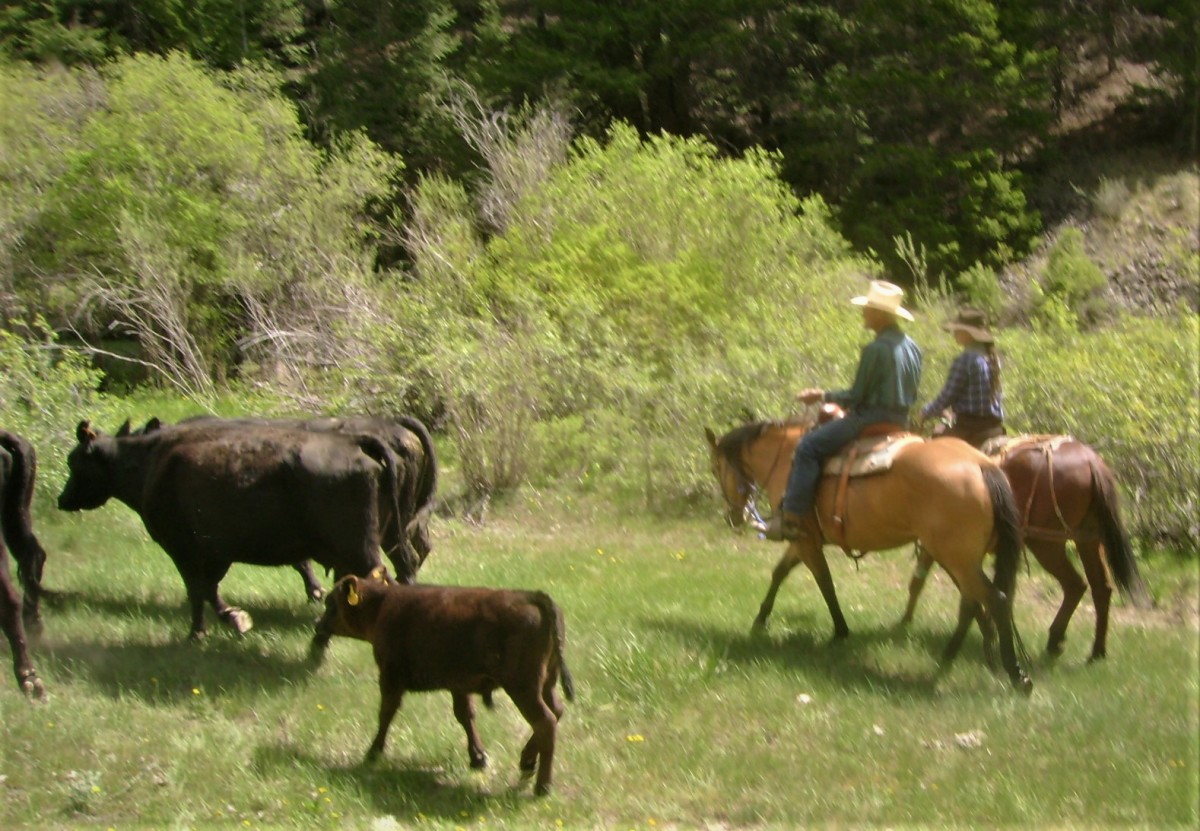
1069	293
643	291
189	212
1131	392
45	391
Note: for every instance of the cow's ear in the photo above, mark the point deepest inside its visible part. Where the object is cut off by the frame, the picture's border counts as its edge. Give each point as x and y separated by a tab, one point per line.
352	596
153	425
711	436
84	434
125	429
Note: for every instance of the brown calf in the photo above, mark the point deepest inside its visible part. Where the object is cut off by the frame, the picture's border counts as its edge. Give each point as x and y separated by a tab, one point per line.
465	640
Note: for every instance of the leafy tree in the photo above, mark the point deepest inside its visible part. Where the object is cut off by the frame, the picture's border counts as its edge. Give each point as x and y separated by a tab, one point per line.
190	212
637	280
909	129
223	33
381	66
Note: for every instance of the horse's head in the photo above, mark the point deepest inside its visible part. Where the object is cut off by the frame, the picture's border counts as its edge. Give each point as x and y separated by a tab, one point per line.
736	488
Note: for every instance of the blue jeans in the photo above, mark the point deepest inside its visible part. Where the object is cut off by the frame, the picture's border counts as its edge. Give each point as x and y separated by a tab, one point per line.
818	445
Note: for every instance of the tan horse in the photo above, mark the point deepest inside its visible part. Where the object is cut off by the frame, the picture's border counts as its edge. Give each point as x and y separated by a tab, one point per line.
1065	492
946	494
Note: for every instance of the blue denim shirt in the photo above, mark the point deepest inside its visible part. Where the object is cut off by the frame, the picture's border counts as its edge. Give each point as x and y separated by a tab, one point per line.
889	372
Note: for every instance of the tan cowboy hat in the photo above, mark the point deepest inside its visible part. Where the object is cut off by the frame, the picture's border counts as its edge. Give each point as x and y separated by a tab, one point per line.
886	297
973	322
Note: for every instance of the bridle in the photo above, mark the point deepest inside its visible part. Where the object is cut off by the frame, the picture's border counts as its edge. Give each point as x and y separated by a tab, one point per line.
747	490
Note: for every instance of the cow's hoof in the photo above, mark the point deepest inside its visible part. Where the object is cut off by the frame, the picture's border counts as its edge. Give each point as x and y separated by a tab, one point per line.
542	789
240	621
31	685
478	762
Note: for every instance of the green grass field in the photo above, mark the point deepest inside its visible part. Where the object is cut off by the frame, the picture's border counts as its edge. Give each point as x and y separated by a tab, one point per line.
682	719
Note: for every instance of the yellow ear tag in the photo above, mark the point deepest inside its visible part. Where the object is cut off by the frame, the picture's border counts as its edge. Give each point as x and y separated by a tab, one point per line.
352	596
380	574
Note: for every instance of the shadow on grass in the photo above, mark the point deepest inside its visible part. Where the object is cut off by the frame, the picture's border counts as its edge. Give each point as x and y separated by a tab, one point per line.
398	787
171	667
269	616
851	662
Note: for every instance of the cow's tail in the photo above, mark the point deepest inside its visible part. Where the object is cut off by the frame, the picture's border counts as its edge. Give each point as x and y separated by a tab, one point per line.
408	563
555	627
425	492
17	521
1116	542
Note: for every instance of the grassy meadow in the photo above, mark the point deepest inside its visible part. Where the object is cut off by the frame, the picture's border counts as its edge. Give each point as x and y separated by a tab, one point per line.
682	718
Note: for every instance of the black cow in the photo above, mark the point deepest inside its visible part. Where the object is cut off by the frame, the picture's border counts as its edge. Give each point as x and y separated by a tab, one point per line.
416	469
15	480
262	494
20	471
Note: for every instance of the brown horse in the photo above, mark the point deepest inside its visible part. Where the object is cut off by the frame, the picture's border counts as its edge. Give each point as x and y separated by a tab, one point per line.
946	494
1065	492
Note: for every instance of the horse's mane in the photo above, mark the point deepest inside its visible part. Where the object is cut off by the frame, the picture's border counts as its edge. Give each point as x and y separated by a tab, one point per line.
731	444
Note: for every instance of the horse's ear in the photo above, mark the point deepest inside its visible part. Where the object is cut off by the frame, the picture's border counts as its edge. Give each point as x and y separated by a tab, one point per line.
84	434
711	436
125	429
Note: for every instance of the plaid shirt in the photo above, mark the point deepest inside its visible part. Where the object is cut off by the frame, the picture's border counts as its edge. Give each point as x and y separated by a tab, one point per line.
968	389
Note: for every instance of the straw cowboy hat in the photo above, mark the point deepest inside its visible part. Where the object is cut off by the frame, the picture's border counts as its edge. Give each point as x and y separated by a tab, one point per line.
886	297
973	322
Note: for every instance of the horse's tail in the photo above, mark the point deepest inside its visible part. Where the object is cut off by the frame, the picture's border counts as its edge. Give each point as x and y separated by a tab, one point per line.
1117	549
1006	523
16	519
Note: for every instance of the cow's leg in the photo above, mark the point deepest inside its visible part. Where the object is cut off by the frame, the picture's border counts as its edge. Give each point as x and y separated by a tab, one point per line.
1053	557
391	694
539	750
14	629
1098	578
464	711
201	586
312	586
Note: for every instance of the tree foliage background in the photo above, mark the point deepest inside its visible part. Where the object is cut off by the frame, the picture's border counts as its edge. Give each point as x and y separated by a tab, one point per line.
571	233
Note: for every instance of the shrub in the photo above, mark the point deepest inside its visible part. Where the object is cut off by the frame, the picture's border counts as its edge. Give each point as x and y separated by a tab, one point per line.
1069	292
1131	392
643	290
44	392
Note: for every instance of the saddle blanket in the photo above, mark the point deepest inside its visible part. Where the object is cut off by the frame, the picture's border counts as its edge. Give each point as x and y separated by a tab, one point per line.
873	454
1002	446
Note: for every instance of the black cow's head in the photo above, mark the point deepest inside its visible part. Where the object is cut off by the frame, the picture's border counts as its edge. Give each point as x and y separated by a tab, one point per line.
90	474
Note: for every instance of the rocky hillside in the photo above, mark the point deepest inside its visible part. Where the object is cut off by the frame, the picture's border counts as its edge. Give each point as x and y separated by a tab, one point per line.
1120	175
